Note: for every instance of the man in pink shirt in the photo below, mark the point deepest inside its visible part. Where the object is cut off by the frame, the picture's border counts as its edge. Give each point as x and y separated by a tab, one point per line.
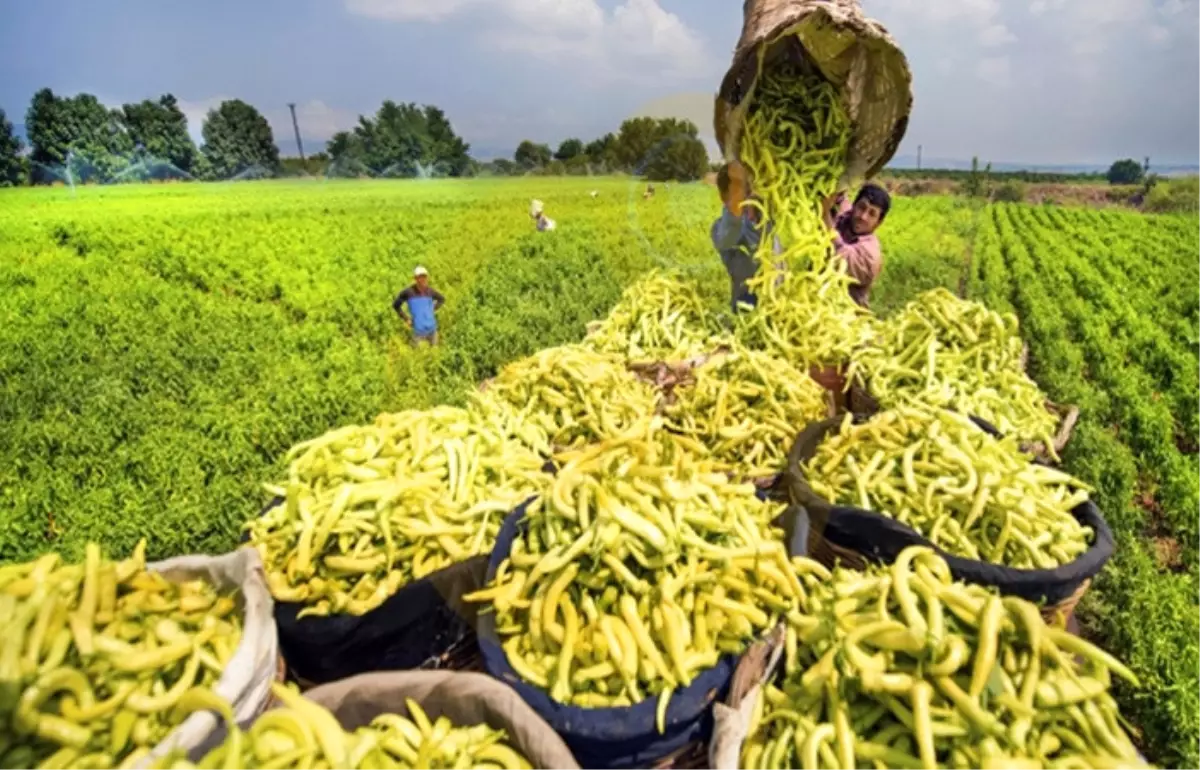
854	237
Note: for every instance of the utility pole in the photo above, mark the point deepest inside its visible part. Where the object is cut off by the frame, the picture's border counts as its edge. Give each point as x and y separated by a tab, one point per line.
296	128
918	157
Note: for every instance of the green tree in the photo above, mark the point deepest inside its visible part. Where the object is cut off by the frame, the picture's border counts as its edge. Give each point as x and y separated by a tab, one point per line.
662	148
238	140
504	167
600	152
400	140
530	155
11	162
684	158
1126	171
76	136
569	148
635	139
159	133
446	149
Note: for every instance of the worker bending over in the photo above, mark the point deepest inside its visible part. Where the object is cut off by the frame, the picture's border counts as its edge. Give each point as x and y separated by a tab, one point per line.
854	237
542	222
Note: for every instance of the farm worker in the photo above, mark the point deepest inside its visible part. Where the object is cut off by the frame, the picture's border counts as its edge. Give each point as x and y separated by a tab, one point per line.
422	301
540	220
737	233
854	237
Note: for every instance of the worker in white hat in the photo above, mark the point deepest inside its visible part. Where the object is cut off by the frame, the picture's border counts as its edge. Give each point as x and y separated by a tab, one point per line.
422	302
540	220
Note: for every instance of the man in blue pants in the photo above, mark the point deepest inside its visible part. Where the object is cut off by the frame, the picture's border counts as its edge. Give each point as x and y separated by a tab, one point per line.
422	301
737	232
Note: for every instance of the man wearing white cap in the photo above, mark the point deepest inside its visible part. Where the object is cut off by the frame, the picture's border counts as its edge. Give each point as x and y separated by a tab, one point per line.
422	301
540	220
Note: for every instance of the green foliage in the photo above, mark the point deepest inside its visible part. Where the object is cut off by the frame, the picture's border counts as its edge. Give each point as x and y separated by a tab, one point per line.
1010	191
316	164
923	240
1108	306
683	158
568	149
1127	171
11	166
1174	195
1029	177
163	347
976	185
75	135
238	141
159	133
530	156
401	140
600	152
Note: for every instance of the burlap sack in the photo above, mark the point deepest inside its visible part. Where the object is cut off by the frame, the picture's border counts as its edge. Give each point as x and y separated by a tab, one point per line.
853	52
464	698
731	719
246	682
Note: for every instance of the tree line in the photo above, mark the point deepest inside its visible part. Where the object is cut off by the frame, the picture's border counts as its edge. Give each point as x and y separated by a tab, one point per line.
79	139
660	149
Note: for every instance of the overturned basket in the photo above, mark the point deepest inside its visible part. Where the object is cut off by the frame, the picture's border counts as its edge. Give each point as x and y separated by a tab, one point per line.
854	53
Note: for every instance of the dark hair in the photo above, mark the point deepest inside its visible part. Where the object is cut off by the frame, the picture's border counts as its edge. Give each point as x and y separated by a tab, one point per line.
876	196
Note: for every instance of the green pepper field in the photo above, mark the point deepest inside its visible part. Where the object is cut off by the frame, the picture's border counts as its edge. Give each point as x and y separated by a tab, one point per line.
162	346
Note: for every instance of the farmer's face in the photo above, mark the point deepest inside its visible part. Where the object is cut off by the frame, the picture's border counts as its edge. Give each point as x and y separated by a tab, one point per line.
865	217
422	281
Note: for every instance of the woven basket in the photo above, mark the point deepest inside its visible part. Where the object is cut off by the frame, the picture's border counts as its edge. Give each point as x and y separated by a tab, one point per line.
832	554
854	53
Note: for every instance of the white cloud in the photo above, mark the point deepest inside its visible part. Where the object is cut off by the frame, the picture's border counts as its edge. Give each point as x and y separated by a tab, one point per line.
407	10
1158	33
635	37
318	121
996	70
945	24
996	35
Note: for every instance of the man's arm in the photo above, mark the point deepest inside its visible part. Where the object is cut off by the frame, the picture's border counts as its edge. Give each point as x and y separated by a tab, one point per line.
438	299
398	303
863	259
726	231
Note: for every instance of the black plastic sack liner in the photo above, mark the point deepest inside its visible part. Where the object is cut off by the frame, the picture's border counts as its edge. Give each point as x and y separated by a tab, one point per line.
413	628
882	538
607	737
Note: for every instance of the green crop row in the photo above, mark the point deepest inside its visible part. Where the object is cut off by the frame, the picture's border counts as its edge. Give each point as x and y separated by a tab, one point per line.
1086	349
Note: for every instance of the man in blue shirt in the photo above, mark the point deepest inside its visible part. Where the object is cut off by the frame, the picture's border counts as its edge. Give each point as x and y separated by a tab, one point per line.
422	301
738	232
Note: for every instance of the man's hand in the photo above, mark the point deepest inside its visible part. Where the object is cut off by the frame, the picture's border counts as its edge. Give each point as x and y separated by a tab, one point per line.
408	322
739	187
827	210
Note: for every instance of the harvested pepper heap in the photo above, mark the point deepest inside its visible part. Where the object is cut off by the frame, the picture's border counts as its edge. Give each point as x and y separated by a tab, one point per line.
966	491
95	655
564	397
794	143
659	317
901	667
640	568
746	406
302	734
371	508
948	352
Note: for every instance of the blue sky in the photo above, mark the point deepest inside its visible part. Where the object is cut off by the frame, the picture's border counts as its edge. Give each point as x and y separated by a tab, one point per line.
1035	81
